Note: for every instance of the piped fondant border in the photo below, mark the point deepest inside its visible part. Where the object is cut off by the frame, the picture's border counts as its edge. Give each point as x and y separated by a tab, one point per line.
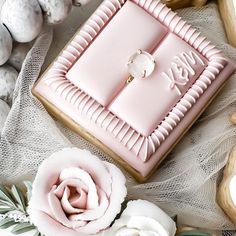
141	146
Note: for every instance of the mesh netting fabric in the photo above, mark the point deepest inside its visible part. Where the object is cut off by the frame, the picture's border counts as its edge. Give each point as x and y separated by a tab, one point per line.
186	183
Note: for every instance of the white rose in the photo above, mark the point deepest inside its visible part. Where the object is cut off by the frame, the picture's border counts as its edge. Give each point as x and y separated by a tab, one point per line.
142	218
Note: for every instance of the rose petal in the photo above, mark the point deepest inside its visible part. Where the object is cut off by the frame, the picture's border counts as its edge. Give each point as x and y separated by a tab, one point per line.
99	173
147	209
118	224
74	172
79	200
67	206
76	183
59	214
94	166
48	226
96	213
71	206
142	224
68	157
117	196
147	224
127	232
148	233
145	217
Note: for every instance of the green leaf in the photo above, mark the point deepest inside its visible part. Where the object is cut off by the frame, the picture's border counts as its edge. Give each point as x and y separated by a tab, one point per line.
37	233
5	203
5	195
21	228
19	197
194	233
5	209
28	186
6	223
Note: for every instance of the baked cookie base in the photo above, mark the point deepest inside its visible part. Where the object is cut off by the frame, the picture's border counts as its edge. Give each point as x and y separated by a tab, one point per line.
88	130
223	196
141	163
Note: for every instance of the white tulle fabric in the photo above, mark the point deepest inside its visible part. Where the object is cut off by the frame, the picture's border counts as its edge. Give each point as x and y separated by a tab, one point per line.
185	184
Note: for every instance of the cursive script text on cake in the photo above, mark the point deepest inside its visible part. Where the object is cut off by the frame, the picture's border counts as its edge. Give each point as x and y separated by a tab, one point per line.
182	69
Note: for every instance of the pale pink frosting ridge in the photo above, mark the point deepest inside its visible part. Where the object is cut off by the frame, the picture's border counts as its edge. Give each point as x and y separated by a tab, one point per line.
142	146
142	150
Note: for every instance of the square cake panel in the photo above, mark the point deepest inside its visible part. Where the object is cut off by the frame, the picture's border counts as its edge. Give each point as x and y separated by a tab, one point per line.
101	71
158	94
137	123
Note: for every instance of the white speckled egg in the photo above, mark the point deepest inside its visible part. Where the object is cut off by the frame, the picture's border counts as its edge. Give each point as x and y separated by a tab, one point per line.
23	18
8	76
18	55
4	111
55	11
5	44
80	3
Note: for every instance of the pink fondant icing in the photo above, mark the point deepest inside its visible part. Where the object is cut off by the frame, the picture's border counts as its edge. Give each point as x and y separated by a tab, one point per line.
160	92
109	54
138	140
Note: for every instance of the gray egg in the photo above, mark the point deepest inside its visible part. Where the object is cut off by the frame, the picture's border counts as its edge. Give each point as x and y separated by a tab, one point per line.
79	3
4	111
8	77
23	18
5	44
55	11
18	55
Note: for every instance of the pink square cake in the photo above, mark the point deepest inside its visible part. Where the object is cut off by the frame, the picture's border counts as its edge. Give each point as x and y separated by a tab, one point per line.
136	118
